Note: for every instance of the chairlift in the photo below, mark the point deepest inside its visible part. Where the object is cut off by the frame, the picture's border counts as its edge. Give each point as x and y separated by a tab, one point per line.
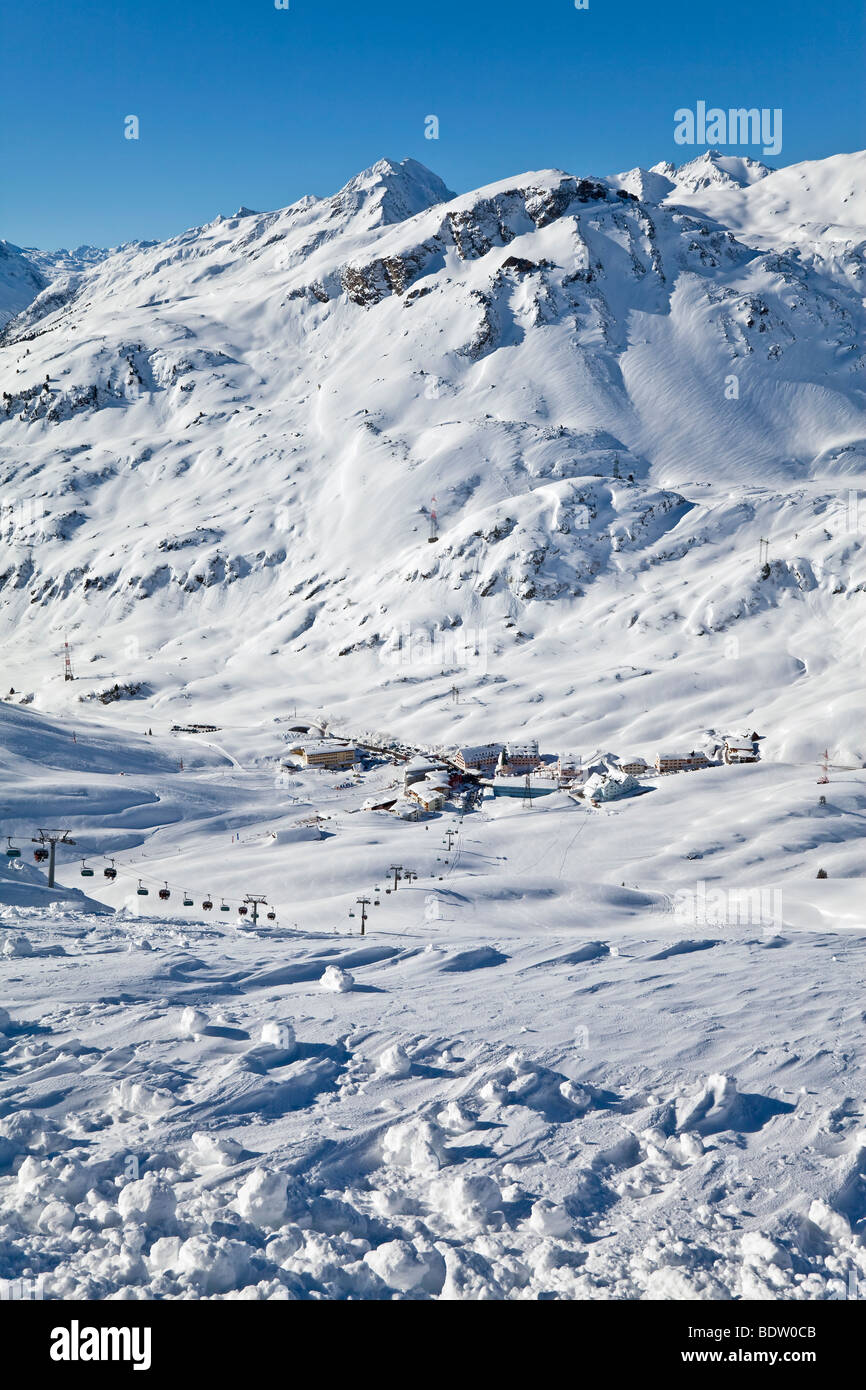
207	905
165	893
85	872
12	852
272	916
110	871
40	855
351	913
224	907
242	911
141	890
187	900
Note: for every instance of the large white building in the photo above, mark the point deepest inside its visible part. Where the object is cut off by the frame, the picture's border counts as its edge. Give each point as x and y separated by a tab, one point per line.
480	758
323	752
607	786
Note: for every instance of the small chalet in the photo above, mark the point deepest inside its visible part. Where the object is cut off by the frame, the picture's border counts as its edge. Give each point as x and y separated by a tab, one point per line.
432	793
570	768
739	750
637	767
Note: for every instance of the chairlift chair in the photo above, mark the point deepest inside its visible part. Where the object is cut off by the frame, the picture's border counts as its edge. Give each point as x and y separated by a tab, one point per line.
165	893
224	907
207	905
40	855
187	900
85	872
110	871
141	890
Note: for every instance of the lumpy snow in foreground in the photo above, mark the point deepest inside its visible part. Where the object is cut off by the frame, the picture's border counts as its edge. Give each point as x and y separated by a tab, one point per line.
518	1085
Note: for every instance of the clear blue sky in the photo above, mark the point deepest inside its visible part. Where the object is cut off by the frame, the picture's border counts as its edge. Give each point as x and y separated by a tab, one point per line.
242	103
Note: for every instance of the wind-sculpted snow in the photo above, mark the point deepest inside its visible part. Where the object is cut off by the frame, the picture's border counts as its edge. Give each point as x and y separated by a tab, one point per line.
288	1141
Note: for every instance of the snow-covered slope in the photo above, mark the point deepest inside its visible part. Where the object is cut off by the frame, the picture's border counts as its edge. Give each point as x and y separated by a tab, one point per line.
224	451
818	206
530	1079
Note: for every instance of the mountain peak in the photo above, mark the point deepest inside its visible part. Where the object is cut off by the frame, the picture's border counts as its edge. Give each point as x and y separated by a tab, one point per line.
714	169
389	192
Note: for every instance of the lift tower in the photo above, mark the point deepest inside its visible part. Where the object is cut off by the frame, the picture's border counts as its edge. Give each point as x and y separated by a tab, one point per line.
52	838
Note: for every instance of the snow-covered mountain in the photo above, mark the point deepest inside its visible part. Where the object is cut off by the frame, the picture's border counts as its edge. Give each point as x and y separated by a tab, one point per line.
20	281
220	456
55	263
574	459
713	170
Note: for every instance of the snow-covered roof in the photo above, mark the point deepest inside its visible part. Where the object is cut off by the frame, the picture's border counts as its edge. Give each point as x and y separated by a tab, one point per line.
373	803
604	787
322	745
421	764
485	751
422	791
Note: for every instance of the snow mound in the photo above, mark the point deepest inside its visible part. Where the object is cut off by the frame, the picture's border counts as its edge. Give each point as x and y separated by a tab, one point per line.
338	981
